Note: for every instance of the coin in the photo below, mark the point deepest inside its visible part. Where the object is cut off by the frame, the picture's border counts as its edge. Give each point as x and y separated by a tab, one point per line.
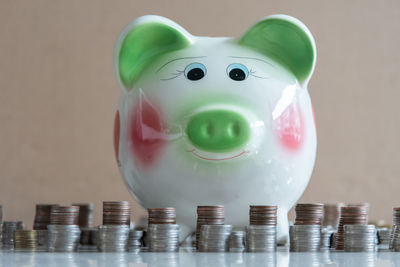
360	238
214	238
263	215
309	213
116	213
261	238
42	216
25	239
356	214
8	232
135	240
161	216
209	215
85	217
236	241
331	215
64	215
63	238
113	238
163	237
305	238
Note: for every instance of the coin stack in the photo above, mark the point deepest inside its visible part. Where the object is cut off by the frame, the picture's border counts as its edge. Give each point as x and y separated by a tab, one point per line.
355	214
163	237
162	216
25	239
114	233
63	230
134	240
395	242
163	232
8	232
85	219
384	237
236	241
213	215
263	215
88	236
113	238
214	238
305	238
116	212
359	238
42	216
396	221
261	233
305	234
261	238
42	219
309	214
331	215
326	237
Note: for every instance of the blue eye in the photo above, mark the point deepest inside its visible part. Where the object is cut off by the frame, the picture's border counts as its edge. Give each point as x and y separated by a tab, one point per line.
195	71
237	72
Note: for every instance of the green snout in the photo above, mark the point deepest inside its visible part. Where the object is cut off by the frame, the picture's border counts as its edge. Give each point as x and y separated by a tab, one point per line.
218	130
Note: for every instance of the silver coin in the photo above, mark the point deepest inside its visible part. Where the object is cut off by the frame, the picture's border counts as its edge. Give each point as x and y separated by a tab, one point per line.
360	238
305	238
214	238
112	238
63	238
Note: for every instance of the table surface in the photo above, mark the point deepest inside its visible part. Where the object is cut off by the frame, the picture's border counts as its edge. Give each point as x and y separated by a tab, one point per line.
187	258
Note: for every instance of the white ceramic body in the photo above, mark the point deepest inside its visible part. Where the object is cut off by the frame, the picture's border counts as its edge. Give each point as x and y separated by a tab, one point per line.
273	170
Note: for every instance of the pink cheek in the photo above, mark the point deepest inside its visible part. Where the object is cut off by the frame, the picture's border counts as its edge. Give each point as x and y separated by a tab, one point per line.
289	128
147	133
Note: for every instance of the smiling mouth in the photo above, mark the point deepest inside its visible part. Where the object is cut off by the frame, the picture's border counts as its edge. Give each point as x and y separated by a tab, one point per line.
193	151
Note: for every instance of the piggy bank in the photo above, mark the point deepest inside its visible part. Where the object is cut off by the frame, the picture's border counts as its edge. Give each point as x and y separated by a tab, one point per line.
215	120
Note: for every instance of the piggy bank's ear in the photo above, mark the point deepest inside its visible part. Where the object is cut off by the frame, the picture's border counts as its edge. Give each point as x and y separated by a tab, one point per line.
142	42
286	40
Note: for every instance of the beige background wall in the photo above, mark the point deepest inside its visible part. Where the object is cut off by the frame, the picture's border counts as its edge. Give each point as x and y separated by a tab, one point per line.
58	95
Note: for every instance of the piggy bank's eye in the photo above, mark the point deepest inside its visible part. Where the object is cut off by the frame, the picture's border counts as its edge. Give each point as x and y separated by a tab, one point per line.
195	71
237	72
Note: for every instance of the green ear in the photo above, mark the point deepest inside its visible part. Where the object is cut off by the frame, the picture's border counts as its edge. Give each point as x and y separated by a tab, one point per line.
285	40
142	42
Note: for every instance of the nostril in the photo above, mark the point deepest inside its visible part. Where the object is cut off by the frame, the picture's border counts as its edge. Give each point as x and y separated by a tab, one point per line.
210	129
233	129
207	129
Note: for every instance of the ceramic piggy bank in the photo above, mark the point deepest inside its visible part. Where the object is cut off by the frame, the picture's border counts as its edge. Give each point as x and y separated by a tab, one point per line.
216	120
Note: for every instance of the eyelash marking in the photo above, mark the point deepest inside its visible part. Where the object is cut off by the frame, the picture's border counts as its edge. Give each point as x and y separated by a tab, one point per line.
176	74
251	72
